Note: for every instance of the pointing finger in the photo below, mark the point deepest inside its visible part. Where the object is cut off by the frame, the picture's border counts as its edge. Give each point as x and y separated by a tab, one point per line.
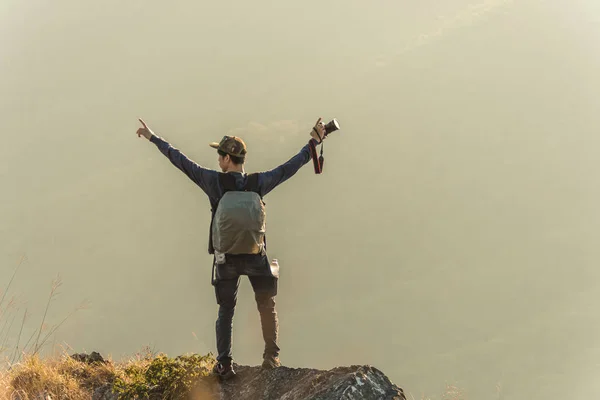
143	123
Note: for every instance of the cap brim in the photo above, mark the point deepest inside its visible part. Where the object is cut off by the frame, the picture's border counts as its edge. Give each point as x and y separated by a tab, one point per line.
214	145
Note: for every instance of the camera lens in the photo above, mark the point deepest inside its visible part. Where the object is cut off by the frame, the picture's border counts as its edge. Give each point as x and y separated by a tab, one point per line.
331	126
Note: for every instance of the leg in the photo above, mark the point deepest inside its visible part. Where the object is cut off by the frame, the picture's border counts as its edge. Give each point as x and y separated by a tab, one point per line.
226	292
265	290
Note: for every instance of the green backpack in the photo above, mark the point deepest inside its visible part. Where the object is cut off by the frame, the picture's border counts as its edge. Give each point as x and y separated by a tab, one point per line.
239	219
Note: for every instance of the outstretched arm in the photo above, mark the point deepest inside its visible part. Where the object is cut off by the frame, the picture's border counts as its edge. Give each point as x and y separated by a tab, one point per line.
203	177
269	180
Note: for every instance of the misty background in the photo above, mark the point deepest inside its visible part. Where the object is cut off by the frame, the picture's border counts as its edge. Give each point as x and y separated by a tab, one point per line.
452	237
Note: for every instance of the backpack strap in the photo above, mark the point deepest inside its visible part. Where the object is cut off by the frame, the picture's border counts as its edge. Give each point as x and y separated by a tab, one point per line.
227	182
252	184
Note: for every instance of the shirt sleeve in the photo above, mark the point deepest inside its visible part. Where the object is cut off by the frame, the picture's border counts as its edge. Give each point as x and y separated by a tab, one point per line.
269	180
206	178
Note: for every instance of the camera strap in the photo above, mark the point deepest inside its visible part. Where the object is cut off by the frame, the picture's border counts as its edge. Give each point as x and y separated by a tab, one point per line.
317	161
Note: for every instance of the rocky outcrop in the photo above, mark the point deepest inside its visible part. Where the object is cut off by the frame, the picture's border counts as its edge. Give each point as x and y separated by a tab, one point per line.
354	382
190	377
348	383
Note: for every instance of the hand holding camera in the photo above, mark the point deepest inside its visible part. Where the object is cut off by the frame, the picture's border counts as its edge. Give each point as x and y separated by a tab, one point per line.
319	133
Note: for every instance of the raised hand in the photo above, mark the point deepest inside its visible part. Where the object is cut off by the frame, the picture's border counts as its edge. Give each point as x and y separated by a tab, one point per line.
144	131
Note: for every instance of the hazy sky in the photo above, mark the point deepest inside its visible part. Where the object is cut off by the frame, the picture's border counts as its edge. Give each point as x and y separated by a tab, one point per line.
452	237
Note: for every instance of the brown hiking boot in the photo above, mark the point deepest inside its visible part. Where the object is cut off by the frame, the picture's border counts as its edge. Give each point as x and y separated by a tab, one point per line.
271	362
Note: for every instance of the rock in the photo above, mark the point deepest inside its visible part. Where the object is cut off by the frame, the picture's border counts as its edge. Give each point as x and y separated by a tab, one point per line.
358	382
92	358
351	383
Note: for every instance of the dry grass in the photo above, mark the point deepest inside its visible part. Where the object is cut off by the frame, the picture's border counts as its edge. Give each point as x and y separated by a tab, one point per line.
70	379
63	378
21	370
25	375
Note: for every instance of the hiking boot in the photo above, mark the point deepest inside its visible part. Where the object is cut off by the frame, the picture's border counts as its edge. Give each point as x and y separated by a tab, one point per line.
224	371
271	362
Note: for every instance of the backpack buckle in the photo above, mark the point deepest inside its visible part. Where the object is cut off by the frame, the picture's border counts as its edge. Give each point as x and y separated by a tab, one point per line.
219	257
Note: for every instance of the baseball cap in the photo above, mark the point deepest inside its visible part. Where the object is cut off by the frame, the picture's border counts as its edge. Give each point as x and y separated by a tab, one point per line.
232	145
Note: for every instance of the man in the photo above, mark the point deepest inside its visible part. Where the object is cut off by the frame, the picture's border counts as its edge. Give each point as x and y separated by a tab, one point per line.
227	268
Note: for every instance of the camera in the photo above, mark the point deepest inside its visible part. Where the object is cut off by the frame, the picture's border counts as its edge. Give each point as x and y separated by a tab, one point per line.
318	161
